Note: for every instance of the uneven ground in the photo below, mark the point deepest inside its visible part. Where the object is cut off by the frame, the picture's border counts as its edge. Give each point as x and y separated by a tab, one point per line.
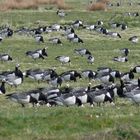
119	123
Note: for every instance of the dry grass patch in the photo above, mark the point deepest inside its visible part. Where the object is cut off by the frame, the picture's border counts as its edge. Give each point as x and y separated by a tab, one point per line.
30	4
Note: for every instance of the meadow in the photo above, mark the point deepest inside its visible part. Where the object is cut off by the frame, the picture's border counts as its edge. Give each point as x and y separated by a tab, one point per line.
119	122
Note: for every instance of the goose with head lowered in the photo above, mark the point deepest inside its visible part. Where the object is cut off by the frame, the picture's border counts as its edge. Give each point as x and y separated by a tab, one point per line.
63	59
61	13
32	96
77	24
56	81
5	57
134	39
82	51
39	53
120	59
127	76
39	39
99	97
55	41
113	34
89	74
76	40
136	69
2	87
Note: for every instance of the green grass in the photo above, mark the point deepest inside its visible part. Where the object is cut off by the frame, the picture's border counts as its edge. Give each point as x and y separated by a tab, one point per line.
40	123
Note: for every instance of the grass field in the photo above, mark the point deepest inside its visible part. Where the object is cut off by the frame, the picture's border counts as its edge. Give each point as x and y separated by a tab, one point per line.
120	122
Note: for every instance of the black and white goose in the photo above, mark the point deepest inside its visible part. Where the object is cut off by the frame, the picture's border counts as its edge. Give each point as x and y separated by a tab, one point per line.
61	13
134	39
77	24
39	39
1	38
136	69
82	51
49	74
2	87
35	74
90	59
35	54
56	81
55	41
113	34
127	76
115	73
120	59
99	23
42	51
71	36
125	51
56	27
63	59
89	74
76	40
5	57
68	30
105	78
68	76
100	96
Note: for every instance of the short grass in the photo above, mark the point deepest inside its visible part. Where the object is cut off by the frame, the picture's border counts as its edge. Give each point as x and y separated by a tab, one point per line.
106	122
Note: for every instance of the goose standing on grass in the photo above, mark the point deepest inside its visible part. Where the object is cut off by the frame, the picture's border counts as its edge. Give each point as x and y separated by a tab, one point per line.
39	39
36	54
90	59
56	27
76	40
136	69
82	51
1	38
89	74
15	80
127	76
61	13
77	24
63	59
113	34
125	51
2	87
5	57
42	51
56	81
55	41
134	39
35	74
120	59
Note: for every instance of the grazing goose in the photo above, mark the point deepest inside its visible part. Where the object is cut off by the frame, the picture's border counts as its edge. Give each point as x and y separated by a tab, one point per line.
36	74
77	24
82	51
120	59
68	30
68	99
2	87
134	95
75	73
63	59
56	81
113	34
5	57
34	54
136	69
134	39
127	76
125	51
91	27
99	23
102	70
55	41
105	78
100	96
89	74
61	13
56	27
90	59
49	74
42	51
1	38
70	36
76	40
68	76
31	96
39	39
